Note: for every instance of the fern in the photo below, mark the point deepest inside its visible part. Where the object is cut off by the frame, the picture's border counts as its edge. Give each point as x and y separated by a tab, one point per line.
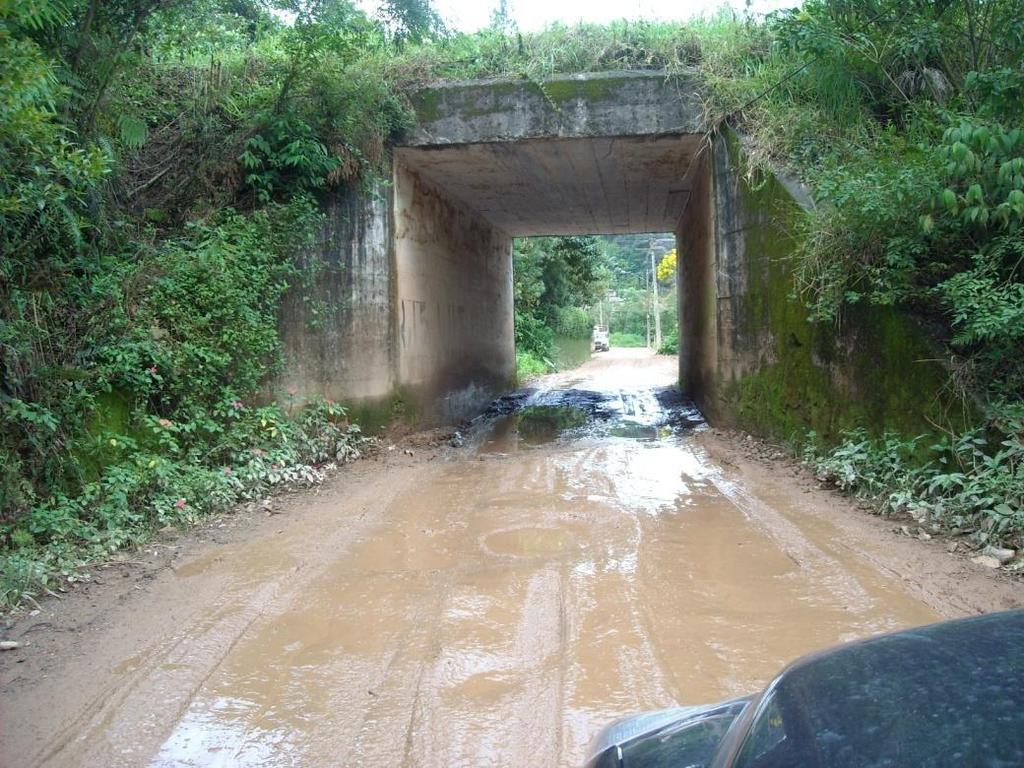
35	14
69	225
133	131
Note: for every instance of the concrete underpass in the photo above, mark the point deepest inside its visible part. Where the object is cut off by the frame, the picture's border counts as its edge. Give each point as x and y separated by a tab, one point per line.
414	285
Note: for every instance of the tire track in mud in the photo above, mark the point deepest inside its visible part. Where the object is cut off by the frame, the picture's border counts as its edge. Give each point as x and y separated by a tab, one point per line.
493	608
134	713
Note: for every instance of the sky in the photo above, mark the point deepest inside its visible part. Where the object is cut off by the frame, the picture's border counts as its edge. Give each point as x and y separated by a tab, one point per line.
532	15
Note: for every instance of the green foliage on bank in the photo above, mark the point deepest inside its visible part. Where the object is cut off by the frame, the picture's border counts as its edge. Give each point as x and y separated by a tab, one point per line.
966	485
529	365
903	120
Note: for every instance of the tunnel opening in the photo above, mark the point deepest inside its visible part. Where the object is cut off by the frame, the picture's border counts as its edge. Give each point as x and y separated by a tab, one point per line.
579	296
459	209
609	185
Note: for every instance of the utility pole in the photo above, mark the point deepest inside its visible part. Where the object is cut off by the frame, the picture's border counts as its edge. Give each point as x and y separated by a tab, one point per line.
648	318
657	311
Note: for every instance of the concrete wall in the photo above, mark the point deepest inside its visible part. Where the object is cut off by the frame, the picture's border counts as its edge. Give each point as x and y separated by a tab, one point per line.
453	301
336	325
696	292
749	354
406	304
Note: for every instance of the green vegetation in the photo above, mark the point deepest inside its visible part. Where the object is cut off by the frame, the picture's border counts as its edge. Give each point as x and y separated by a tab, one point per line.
902	119
877	370
562	49
565	285
963	487
627	340
529	366
628	307
554	279
670	343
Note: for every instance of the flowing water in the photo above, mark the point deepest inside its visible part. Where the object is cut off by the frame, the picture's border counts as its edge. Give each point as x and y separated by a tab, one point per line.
579	559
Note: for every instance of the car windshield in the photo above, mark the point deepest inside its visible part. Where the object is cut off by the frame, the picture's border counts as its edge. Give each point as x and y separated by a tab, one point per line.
949	696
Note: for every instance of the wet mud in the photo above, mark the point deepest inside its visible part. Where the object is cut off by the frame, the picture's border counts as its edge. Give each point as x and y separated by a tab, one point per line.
579	559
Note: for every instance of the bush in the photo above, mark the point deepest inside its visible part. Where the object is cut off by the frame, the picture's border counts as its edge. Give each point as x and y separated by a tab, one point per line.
146	422
574	322
533	335
158	480
971	483
529	366
670	343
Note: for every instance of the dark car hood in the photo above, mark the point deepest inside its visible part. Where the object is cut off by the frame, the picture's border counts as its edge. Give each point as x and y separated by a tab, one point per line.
950	693
947	694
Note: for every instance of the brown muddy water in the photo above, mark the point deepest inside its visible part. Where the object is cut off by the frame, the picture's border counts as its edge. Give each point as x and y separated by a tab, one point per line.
579	559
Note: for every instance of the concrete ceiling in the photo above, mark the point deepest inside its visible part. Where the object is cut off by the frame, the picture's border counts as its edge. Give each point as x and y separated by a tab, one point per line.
565	186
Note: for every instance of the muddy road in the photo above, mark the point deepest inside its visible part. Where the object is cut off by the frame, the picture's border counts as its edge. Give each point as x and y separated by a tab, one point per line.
589	552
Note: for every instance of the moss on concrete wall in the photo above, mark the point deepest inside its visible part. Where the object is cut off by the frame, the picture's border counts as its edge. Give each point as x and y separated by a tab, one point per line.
375	416
426	103
625	103
780	374
466	101
562	91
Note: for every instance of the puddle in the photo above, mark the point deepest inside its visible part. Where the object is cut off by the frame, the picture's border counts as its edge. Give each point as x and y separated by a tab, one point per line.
527	542
638	431
537	424
197	566
485	687
254	566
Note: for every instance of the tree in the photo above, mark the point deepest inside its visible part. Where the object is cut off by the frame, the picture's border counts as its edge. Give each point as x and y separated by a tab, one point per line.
666	269
502	20
554	278
411	20
321	30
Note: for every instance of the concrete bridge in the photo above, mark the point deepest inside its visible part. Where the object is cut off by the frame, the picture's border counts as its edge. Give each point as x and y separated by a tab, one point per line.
412	306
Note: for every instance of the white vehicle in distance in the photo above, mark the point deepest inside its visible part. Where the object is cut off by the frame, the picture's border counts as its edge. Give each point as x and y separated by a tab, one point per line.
600	338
